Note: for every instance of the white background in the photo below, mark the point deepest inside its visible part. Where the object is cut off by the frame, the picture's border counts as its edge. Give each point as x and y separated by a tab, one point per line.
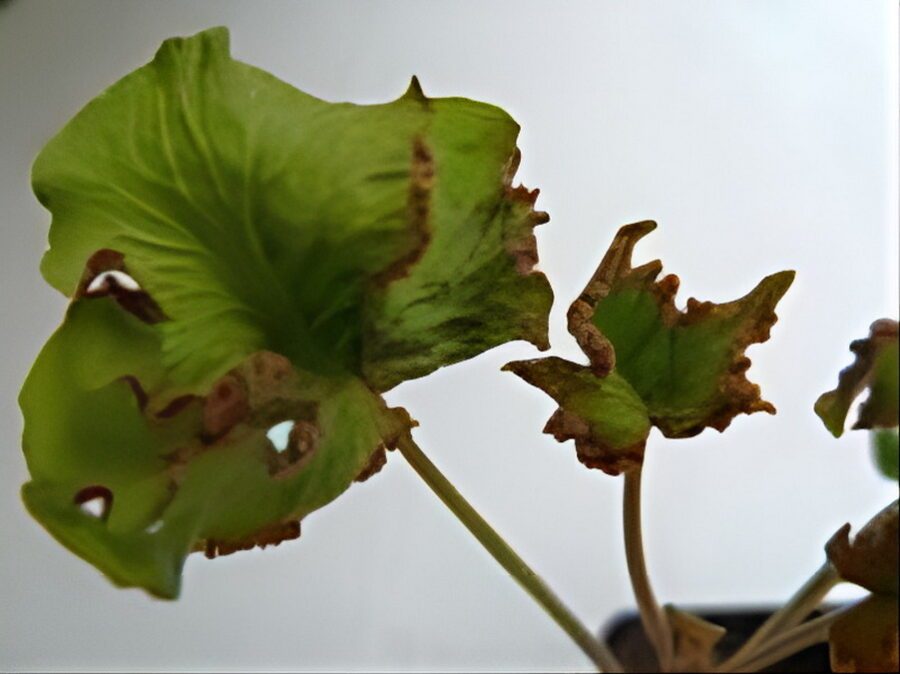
761	135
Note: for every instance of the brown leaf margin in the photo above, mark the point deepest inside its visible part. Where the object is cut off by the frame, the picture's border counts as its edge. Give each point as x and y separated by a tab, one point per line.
744	397
833	406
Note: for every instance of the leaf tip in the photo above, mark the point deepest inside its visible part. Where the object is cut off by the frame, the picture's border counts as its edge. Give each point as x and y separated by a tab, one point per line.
874	368
824	409
213	40
414	91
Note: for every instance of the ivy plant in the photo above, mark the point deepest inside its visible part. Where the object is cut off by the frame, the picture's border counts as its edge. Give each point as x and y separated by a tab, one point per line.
243	259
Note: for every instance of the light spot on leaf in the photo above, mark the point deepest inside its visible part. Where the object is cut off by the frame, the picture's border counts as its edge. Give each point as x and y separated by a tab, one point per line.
101	283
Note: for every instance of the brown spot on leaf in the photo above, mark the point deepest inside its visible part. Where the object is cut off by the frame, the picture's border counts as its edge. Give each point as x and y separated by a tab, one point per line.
564	425
136	302
271	535
418	208
600	351
176	405
270	382
375	464
520	241
139	393
615	264
224	407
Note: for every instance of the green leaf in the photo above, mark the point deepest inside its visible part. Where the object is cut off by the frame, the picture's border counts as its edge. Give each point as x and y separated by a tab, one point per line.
241	254
876	367
604	416
886	452
473	287
687	368
201	474
382	241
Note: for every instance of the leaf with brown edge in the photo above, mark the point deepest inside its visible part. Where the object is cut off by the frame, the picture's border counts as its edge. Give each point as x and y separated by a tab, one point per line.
865	639
876	368
240	253
204	476
604	416
871	558
686	368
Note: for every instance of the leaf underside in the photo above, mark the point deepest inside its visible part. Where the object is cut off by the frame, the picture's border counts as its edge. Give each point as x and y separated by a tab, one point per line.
651	364
241	254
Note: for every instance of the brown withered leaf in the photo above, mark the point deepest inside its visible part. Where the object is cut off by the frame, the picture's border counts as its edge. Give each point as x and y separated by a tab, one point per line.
865	639
871	558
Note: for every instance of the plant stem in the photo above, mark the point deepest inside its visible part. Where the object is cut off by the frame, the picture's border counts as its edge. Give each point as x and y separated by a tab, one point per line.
656	624
788	643
804	601
597	651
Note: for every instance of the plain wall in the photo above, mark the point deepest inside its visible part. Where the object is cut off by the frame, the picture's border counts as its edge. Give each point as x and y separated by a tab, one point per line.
762	135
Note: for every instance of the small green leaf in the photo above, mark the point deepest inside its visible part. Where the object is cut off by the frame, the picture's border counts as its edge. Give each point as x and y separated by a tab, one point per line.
886	452
876	367
604	416
687	368
291	259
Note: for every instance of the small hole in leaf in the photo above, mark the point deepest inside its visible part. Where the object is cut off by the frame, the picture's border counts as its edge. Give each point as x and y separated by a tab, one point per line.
294	443
279	435
101	282
95	501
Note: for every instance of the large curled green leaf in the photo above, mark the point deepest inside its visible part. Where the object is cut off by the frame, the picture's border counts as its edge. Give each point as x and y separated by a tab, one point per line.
205	477
343	248
681	371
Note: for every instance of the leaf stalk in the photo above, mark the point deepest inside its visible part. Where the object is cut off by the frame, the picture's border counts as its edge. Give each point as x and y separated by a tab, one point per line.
655	622
801	604
500	550
787	643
